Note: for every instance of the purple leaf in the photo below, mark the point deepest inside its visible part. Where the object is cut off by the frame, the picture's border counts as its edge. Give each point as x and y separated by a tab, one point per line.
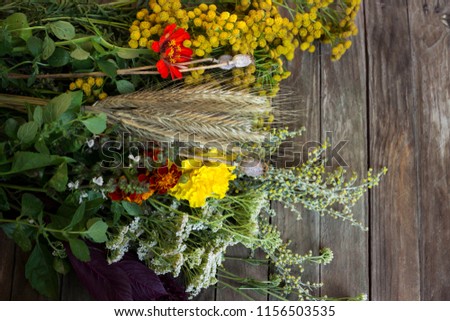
103	282
128	279
145	284
174	288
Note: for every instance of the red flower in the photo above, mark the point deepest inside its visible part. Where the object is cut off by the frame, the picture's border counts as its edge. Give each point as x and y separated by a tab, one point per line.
172	51
165	178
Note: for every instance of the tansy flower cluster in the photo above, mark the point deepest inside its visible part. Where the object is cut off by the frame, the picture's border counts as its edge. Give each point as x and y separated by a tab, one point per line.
203	182
250	27
91	87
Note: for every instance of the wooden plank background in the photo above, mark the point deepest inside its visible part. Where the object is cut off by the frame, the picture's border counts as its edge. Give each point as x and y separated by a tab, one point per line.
389	100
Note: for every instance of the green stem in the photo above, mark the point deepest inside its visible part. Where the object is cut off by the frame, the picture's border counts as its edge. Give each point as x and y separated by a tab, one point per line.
236	290
24	188
51	230
75	41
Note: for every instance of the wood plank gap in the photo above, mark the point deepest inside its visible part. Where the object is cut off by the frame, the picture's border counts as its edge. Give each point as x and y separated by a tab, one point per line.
369	195
417	150
320	140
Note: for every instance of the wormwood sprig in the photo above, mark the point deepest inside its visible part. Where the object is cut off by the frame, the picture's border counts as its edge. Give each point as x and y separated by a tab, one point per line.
311	185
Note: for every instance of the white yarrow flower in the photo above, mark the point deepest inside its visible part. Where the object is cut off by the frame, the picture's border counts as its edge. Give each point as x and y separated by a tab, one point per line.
135	159
98	180
90	143
73	185
82	196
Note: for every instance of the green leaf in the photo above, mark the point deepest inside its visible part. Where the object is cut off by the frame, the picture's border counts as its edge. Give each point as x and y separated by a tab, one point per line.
80	250
61	266
125	87
11	127
27	132
38	115
6	41
76	98
41	147
60	178
97	232
35	45
48	47
62	30
117	211
59	58
8	229
24	161
78	216
39	271
108	67
80	54
98	48
57	106
127	54
21	238
97	124
132	208
16	23
31	206
4	204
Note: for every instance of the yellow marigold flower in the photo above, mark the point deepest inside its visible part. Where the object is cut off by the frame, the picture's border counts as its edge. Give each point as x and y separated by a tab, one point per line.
348	44
72	86
102	95
212	7
204	182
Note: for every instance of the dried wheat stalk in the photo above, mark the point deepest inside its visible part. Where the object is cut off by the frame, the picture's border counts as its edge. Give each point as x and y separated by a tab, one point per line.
212	113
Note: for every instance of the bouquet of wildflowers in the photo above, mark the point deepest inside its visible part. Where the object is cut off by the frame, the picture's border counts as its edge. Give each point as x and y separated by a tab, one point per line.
137	142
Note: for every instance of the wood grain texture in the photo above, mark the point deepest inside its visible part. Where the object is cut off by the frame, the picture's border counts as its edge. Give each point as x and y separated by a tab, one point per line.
344	123
6	266
431	54
304	83
395	267
241	269
22	290
72	290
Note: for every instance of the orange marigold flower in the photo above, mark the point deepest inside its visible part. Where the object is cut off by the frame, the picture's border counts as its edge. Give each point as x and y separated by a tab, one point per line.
138	198
165	178
172	51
